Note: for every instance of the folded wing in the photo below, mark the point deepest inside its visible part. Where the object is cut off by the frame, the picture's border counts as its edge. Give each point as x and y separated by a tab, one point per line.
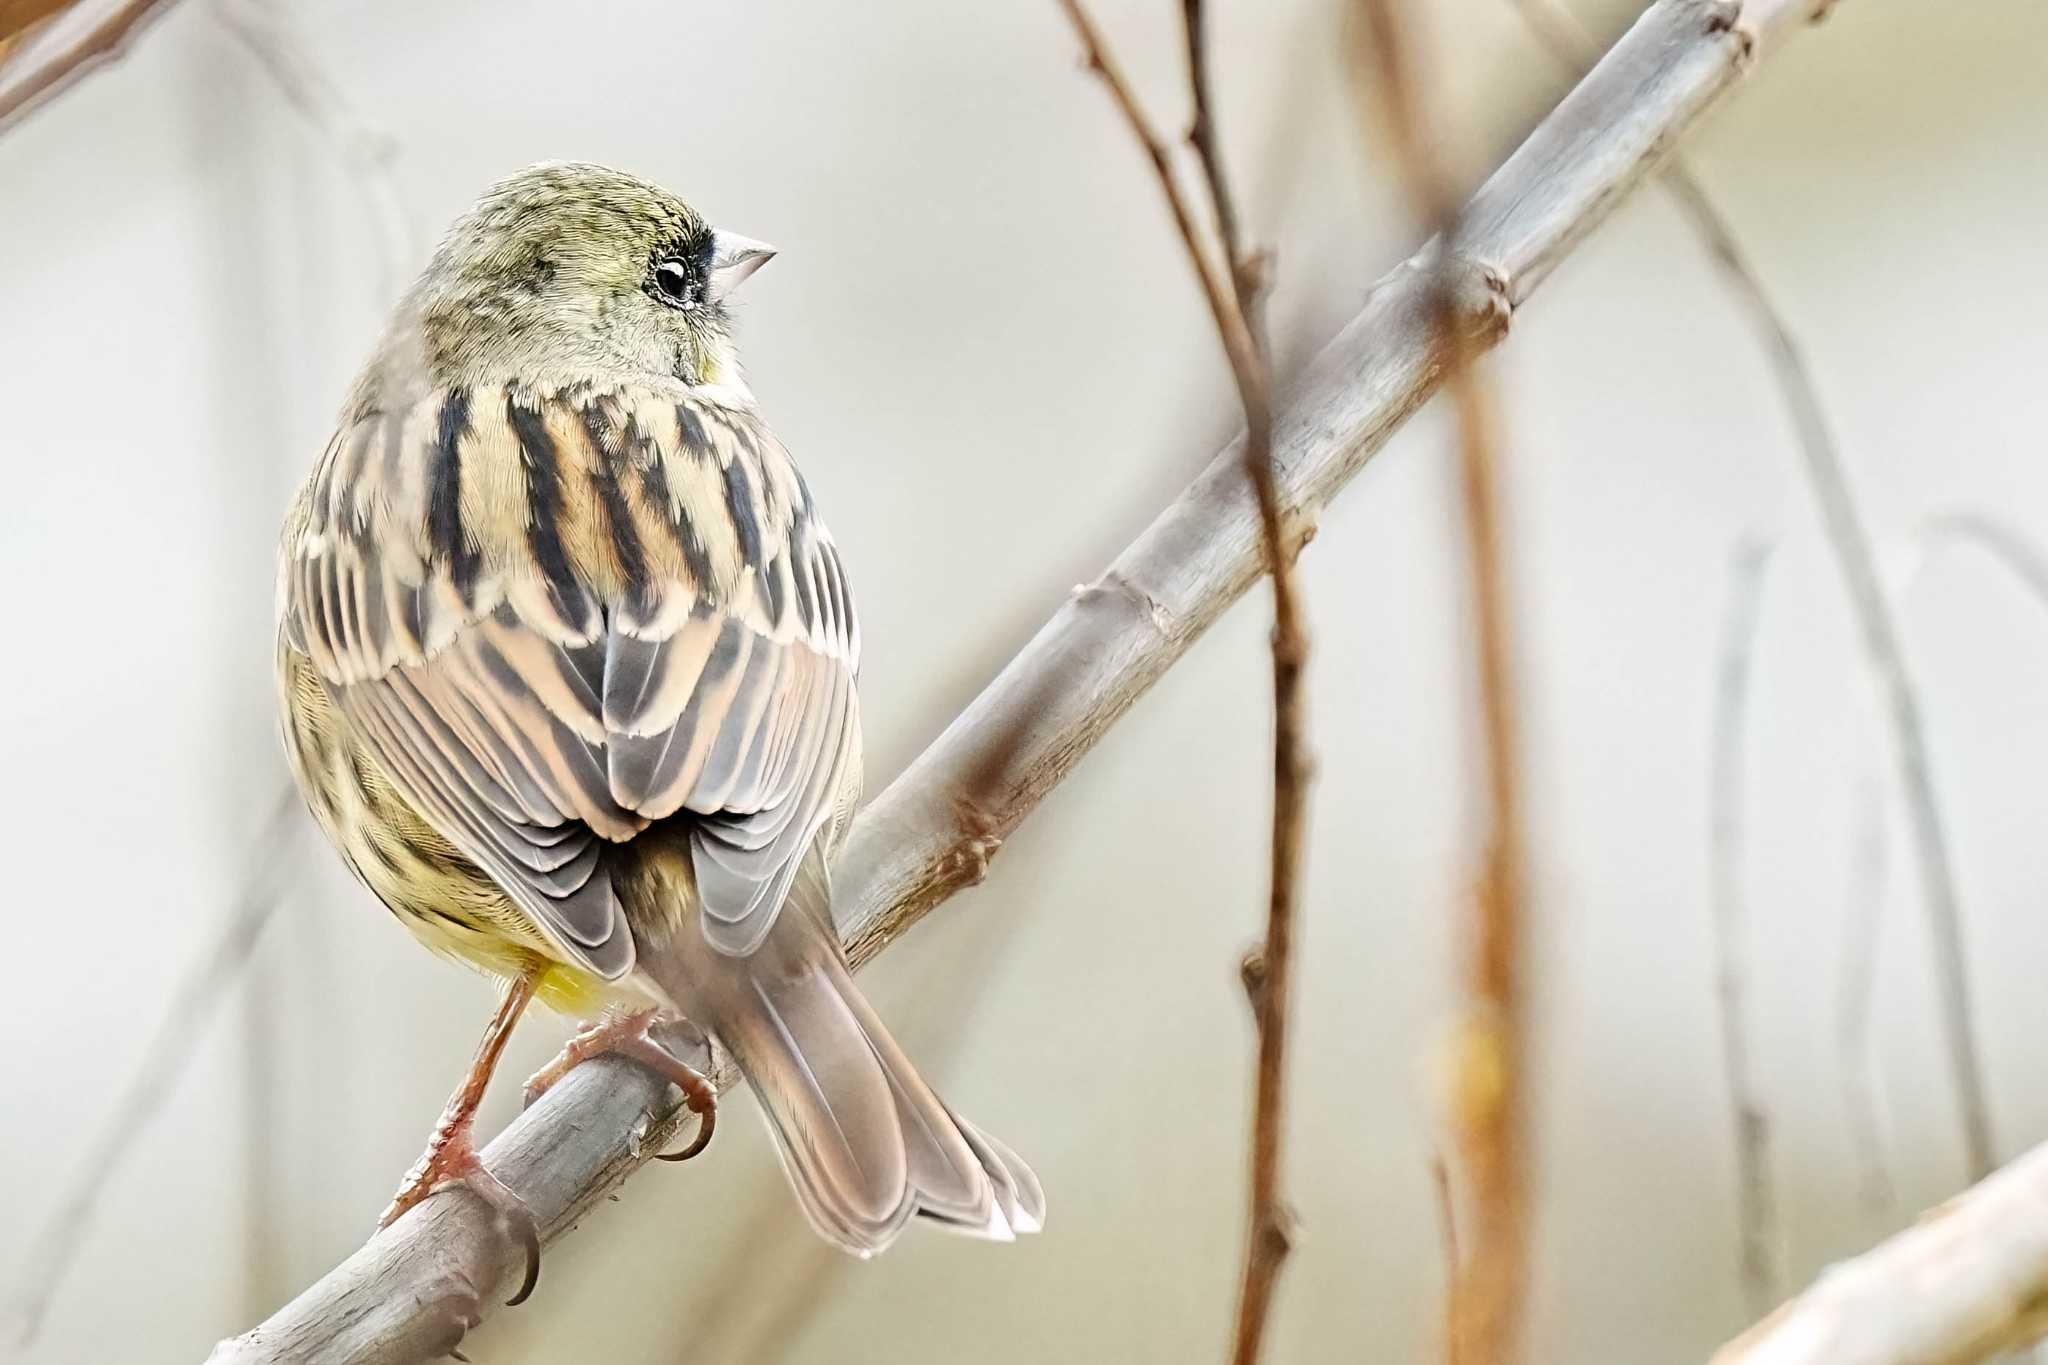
557	618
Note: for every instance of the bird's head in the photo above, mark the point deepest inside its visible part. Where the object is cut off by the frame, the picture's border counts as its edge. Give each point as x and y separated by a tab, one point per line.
568	271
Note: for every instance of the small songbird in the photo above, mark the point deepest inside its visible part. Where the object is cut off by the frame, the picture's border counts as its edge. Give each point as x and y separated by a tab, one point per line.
566	662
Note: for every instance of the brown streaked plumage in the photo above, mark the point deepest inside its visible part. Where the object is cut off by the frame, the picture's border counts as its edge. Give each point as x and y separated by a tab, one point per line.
566	660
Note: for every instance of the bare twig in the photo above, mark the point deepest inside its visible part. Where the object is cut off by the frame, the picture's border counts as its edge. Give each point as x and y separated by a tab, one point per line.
401	1298
2009	546
36	83
1849	541
1969	1279
1489	1121
1756	1192
1267	970
194	1001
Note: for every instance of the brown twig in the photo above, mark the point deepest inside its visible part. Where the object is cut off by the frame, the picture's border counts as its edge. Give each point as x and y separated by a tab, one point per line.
1756	1193
1268	969
1489	1121
30	89
19	16
1849	543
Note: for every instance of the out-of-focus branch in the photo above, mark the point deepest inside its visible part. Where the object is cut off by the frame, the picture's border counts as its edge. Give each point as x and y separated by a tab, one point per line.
401	1298
273	33
1965	1282
2010	548
1756	1193
17	17
1488	1116
1857	987
197	997
1849	541
33	79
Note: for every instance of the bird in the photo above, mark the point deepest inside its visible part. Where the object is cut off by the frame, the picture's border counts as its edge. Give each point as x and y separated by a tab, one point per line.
566	665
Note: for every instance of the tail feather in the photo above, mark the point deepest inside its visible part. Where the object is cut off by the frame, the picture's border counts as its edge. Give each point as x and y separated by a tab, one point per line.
864	1140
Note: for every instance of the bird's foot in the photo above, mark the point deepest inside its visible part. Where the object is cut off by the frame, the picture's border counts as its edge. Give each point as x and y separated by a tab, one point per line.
630	1035
451	1159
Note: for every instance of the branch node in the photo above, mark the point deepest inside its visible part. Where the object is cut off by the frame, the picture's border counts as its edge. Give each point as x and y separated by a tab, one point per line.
1252	972
1731	17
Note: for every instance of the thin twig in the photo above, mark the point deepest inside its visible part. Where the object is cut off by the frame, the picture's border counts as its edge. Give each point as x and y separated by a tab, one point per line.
38	83
1849	542
1267	971
1758	1232
934	829
2007	545
1231	326
1490	1120
1447	1233
1855	1058
197	997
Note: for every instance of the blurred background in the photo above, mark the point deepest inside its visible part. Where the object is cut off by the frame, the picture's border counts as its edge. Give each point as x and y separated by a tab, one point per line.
983	344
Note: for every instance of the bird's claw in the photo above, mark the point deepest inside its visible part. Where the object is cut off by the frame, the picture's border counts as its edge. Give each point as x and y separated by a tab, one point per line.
630	1036
451	1160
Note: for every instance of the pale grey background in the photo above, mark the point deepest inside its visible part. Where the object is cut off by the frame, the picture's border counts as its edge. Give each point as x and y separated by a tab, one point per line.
982	344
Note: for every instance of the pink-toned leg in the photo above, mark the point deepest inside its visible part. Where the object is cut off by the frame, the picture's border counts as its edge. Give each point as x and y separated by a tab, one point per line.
451	1159
626	1035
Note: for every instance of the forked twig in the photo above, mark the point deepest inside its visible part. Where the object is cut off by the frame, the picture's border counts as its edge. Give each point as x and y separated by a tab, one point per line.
1490	1121
1268	969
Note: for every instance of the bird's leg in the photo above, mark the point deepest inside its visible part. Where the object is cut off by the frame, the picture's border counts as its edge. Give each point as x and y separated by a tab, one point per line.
451	1156
628	1035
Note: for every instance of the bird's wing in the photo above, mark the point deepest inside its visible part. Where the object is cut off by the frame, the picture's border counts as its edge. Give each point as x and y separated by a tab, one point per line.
555	618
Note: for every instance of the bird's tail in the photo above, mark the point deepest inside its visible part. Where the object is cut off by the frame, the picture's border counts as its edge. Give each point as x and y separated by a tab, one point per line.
866	1143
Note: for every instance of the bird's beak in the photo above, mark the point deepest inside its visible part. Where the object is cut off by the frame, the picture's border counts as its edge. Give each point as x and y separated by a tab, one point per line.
733	258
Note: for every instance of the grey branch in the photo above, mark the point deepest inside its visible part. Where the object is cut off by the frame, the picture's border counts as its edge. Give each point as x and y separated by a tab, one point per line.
408	1294
1965	1282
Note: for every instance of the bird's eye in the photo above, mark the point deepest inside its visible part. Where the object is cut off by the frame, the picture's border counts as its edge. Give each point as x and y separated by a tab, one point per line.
673	281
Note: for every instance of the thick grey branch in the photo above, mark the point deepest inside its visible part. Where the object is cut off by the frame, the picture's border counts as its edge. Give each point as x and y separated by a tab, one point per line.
406	1295
1967	1281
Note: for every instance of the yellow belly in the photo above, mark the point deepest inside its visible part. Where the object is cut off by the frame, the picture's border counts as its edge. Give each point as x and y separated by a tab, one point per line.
448	902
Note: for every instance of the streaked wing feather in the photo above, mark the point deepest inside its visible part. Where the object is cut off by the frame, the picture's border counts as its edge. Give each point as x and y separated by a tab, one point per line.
534	703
